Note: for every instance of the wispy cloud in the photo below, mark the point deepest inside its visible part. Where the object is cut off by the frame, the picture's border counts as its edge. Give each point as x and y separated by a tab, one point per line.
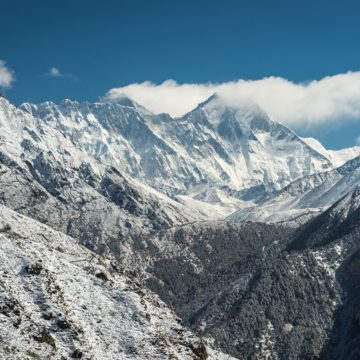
54	72
331	99
7	76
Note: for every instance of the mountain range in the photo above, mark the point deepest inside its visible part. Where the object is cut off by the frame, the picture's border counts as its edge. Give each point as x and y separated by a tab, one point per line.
219	234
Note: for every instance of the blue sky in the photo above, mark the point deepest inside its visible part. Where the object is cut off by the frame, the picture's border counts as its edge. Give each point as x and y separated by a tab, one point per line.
100	45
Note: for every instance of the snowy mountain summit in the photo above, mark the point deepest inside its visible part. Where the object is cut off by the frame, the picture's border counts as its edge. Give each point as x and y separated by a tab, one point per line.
236	149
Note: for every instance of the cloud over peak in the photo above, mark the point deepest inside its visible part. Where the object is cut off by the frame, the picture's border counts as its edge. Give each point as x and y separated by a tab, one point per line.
54	72
6	75
333	98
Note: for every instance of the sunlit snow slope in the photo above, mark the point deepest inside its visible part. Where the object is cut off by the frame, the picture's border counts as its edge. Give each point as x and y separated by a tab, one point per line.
238	151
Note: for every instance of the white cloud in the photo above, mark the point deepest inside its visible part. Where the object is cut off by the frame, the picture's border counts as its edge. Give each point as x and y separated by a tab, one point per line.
54	72
171	97
331	99
6	75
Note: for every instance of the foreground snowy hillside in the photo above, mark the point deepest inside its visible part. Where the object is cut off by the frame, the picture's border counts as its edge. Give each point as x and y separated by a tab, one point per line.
59	300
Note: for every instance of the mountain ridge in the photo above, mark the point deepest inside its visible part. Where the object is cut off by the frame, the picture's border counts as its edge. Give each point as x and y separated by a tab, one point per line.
212	146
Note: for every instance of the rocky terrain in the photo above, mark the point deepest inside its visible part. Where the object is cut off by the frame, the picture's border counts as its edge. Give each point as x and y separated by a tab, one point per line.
59	300
266	290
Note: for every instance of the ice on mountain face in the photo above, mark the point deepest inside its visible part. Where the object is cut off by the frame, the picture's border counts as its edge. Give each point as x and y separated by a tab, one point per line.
337	157
215	145
210	196
44	172
305	197
242	148
262	151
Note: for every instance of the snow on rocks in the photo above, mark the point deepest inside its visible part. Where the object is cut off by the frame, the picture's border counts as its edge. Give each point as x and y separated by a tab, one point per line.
59	300
211	148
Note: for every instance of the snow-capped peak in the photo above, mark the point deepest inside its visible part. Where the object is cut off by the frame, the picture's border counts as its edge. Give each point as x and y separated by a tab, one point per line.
337	157
221	143
246	113
121	99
